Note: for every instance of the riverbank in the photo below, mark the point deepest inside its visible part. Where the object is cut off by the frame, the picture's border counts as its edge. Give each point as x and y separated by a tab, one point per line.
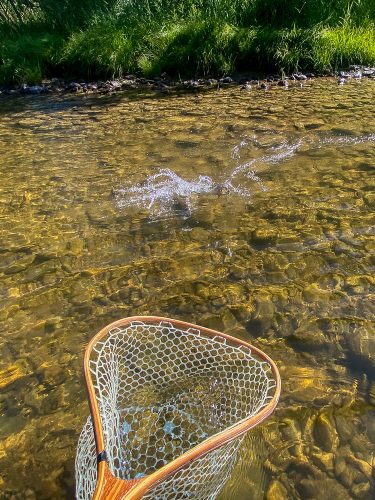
211	39
165	84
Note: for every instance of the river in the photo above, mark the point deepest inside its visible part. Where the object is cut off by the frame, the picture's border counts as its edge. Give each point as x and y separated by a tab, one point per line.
250	212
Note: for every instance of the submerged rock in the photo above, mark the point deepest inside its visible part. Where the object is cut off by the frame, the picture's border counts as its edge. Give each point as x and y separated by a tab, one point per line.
323	488
362	490
276	491
10	375
324	433
264	236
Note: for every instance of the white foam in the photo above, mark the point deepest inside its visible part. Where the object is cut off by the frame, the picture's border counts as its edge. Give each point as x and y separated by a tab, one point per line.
282	152
162	192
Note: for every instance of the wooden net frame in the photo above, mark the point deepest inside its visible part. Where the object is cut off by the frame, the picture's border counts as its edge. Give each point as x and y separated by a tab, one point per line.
222	385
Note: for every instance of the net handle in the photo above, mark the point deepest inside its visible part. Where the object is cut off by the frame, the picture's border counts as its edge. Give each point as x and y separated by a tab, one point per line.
109	487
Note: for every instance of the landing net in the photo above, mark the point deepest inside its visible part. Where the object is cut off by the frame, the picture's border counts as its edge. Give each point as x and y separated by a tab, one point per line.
170	404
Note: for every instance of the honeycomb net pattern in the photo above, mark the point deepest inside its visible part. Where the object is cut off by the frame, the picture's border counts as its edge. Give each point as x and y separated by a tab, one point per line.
161	391
202	479
86	464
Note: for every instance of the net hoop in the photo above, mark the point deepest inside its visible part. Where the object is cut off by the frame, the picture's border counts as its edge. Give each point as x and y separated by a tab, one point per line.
108	486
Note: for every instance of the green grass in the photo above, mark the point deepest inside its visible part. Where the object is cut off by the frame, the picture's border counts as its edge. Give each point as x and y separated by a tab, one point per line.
344	45
28	56
187	38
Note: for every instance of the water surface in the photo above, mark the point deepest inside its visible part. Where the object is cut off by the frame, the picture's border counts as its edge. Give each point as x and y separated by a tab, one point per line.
248	212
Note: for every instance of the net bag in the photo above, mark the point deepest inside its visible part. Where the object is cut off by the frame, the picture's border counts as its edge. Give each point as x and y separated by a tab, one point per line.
170	403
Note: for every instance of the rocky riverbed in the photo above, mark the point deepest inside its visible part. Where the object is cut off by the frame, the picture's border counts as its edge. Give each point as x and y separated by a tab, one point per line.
110	208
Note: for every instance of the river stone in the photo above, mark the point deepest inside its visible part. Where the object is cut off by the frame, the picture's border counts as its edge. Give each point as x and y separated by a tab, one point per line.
276	491
345	428
204	215
264	236
275	262
310	333
324	489
35	272
313	293
73	87
359	445
370	424
10	374
199	234
347	474
258	326
51	375
75	246
10	311
238	272
361	465
217	322
324	433
275	109
21	264
33	89
340	465
324	461
362	490
361	343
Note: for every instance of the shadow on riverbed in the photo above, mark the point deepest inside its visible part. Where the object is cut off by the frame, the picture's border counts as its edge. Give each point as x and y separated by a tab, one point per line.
50	103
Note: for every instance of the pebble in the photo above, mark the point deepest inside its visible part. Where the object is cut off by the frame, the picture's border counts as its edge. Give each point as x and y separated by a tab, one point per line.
299	76
283	83
226	79
33	89
246	86
162	84
74	87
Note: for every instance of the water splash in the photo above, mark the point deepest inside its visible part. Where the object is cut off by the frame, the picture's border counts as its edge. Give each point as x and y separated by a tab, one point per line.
346	140
282	152
166	192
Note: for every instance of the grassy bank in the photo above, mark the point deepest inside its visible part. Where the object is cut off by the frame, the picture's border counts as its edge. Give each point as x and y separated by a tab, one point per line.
107	38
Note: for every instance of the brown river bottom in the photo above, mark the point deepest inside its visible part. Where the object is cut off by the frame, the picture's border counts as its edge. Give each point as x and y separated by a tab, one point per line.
248	212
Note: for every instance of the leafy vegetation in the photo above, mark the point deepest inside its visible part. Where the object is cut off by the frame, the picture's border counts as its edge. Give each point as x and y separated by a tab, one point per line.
107	38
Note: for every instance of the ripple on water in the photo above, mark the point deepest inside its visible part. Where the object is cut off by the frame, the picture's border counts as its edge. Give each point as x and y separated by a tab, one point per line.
242	215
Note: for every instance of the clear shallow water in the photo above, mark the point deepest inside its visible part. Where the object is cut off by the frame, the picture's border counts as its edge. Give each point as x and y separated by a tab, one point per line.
251	213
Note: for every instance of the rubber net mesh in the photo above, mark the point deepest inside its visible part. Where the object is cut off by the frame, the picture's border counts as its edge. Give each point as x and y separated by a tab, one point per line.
161	391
